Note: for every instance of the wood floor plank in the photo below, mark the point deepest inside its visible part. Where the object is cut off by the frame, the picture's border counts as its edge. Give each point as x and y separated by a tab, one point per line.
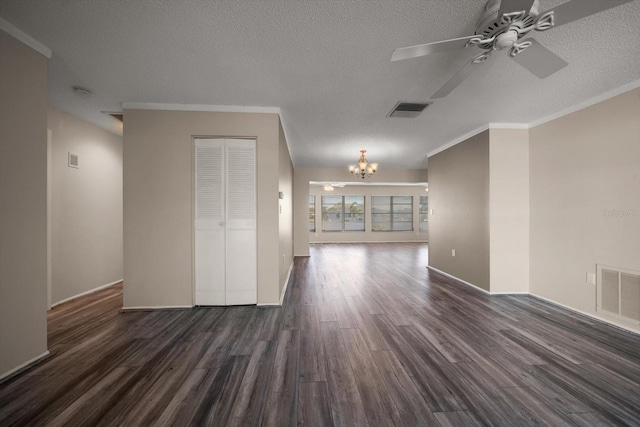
281	396
313	404
169	415
218	395
412	409
428	378
345	400
312	360
456	419
376	401
252	394
366	336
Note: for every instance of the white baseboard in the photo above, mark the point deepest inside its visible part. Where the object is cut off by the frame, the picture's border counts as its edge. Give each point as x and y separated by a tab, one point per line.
90	291
157	307
476	286
509	293
367	241
283	293
23	367
605	320
286	283
458	279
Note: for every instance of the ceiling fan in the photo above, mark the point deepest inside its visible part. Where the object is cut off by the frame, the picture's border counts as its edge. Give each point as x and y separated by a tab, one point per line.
330	186
503	26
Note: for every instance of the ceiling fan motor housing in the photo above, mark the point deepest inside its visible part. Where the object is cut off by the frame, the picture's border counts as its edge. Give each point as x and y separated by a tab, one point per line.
491	26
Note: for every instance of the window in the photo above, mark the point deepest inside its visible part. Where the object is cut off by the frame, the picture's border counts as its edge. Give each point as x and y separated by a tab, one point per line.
424	213
312	213
392	213
342	213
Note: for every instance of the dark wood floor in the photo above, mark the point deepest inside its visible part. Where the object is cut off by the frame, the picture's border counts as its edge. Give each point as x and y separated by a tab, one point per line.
367	335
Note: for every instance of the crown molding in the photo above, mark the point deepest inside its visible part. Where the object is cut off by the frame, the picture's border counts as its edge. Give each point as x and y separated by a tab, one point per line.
25	38
588	103
199	107
458	140
581	106
508	126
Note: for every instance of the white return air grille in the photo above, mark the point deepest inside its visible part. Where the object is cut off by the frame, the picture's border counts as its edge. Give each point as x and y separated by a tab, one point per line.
619	293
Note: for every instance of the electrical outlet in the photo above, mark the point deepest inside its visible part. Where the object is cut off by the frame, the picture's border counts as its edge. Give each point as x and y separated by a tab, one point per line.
453	252
591	278
430	211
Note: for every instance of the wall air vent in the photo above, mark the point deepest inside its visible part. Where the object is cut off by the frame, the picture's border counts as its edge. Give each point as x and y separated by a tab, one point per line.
73	160
618	293
408	109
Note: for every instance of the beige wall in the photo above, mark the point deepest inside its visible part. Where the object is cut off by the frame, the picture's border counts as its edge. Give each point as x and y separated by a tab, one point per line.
302	177
158	219
583	167
509	210
459	197
23	208
369	236
87	206
286	208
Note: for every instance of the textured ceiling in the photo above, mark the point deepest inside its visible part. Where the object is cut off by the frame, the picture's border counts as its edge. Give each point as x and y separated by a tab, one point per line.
324	63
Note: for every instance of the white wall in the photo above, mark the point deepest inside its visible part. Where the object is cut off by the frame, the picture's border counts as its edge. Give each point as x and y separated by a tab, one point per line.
302	177
509	210
87	206
23	205
285	185
368	235
584	166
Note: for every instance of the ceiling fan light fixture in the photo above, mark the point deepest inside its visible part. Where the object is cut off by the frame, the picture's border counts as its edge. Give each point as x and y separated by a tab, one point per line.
506	40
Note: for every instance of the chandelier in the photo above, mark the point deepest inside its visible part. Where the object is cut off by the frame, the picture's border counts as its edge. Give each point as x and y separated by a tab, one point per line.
363	169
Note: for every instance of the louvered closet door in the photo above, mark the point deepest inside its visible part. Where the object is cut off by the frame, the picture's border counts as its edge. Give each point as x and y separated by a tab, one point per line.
241	222
225	222
209	222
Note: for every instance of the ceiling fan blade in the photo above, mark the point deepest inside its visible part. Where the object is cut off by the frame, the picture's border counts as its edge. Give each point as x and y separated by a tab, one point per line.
539	60
426	49
578	9
459	77
510	6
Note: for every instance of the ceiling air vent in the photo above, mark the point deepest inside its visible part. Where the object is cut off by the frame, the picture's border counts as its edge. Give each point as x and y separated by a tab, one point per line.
408	109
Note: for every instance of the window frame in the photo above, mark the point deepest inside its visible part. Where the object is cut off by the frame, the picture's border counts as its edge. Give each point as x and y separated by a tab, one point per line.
343	213
391	214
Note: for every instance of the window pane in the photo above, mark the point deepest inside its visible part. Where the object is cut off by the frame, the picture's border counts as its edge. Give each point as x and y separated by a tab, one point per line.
402	226
424	204
402	209
402	217
312	213
424	213
380	222
332	213
354	213
380	204
343	213
402	200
